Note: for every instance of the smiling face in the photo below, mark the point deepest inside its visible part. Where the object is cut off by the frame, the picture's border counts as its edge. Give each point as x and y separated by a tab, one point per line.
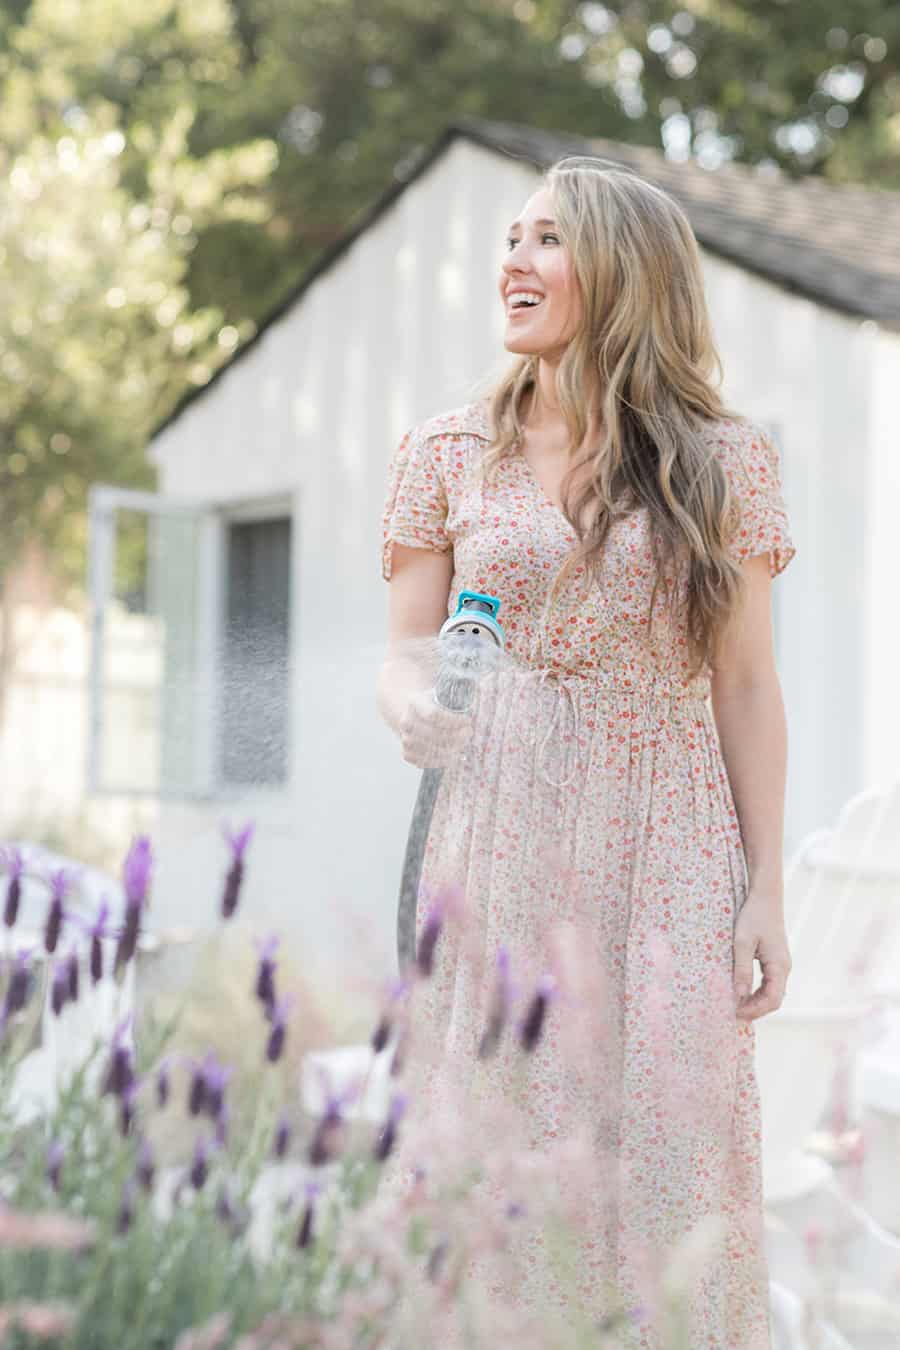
537	283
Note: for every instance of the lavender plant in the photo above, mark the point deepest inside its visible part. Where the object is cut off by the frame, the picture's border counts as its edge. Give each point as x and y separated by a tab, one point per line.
379	1227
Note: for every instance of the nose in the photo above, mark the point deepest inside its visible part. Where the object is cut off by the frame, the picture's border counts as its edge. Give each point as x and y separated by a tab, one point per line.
512	264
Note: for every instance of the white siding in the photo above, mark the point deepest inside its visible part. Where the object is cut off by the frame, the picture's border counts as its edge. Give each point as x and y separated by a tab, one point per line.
401	327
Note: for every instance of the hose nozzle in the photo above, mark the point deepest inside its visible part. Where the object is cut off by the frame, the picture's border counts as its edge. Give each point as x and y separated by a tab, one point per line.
470	647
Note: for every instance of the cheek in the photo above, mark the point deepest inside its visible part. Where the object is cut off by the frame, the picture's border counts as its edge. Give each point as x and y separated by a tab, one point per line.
566	287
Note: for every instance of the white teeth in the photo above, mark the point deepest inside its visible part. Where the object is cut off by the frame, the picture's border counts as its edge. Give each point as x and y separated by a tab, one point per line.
527	296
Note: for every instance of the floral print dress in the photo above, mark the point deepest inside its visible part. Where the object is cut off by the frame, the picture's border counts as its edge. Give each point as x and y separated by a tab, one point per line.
594	790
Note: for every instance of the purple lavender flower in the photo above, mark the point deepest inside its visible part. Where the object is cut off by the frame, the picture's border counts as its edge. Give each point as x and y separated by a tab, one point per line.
282	1138
237	843
500	1003
216	1076
19	986
275	1043
125	1216
120	1068
59	886
55	1157
305	1232
434	922
126	1108
398	1058
98	931
59	988
145	1168
72	973
197	1090
163	1085
533	1021
200	1165
264	989
326	1139
14	887
384	1144
136	878
382	1033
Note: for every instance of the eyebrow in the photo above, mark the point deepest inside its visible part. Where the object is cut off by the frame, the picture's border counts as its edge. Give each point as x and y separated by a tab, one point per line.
545	220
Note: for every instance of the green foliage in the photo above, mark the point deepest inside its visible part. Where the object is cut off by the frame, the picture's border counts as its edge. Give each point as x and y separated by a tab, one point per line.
168	170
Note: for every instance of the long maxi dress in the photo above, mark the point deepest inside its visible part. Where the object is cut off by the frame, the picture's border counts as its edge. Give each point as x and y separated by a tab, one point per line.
595	789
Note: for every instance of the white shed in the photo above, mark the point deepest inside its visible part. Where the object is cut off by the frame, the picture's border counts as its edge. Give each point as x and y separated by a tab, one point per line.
267	606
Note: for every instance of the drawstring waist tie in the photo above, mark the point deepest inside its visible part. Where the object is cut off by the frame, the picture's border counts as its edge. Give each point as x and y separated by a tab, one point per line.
654	690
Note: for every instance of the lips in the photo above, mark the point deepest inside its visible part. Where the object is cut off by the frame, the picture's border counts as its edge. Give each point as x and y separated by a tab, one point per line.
512	308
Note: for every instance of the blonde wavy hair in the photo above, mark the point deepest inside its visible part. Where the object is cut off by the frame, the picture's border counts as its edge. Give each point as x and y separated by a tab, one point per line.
644	356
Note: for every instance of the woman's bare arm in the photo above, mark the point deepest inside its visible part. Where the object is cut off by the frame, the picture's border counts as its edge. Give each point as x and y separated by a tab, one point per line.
750	719
417	606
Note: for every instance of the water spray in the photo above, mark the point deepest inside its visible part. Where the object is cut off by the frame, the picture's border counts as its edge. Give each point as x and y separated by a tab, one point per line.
469	647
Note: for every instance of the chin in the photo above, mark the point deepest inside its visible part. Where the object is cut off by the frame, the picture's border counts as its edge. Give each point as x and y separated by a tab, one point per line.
522	347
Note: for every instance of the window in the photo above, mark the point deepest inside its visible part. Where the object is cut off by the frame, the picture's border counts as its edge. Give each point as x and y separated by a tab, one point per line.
189	691
253	671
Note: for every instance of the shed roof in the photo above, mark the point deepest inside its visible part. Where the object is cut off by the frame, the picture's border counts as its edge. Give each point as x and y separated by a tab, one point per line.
837	244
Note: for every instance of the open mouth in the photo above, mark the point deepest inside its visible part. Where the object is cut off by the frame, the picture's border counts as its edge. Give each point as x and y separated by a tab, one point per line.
520	302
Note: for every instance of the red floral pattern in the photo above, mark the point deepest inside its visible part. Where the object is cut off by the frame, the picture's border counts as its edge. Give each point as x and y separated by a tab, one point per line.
594	789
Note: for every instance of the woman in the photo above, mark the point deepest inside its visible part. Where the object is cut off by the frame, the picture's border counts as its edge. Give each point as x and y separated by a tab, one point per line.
629	773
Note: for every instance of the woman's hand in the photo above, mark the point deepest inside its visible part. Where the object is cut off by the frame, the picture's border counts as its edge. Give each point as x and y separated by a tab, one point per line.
760	932
433	737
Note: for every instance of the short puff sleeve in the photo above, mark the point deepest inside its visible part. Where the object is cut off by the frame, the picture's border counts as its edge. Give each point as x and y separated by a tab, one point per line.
415	507
754	472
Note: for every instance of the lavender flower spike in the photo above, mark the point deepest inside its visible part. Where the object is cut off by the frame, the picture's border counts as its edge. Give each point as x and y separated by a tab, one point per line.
19	986
533	1021
282	1138
59	988
72	975
125	1216
499	1012
197	1090
120	1069
97	932
14	887
264	989
126	1108
275	1043
59	885
55	1157
163	1086
145	1168
397	989
136	877
305	1231
326	1140
136	870
237	843
384	1144
431	932
200	1165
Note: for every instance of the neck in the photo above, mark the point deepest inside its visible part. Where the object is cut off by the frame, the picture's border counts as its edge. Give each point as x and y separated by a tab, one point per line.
543	412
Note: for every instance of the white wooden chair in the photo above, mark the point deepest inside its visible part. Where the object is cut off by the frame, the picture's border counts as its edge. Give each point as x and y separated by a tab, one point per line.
842	912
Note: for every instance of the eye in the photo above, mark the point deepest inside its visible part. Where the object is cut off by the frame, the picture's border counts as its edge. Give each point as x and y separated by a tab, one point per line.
511	243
